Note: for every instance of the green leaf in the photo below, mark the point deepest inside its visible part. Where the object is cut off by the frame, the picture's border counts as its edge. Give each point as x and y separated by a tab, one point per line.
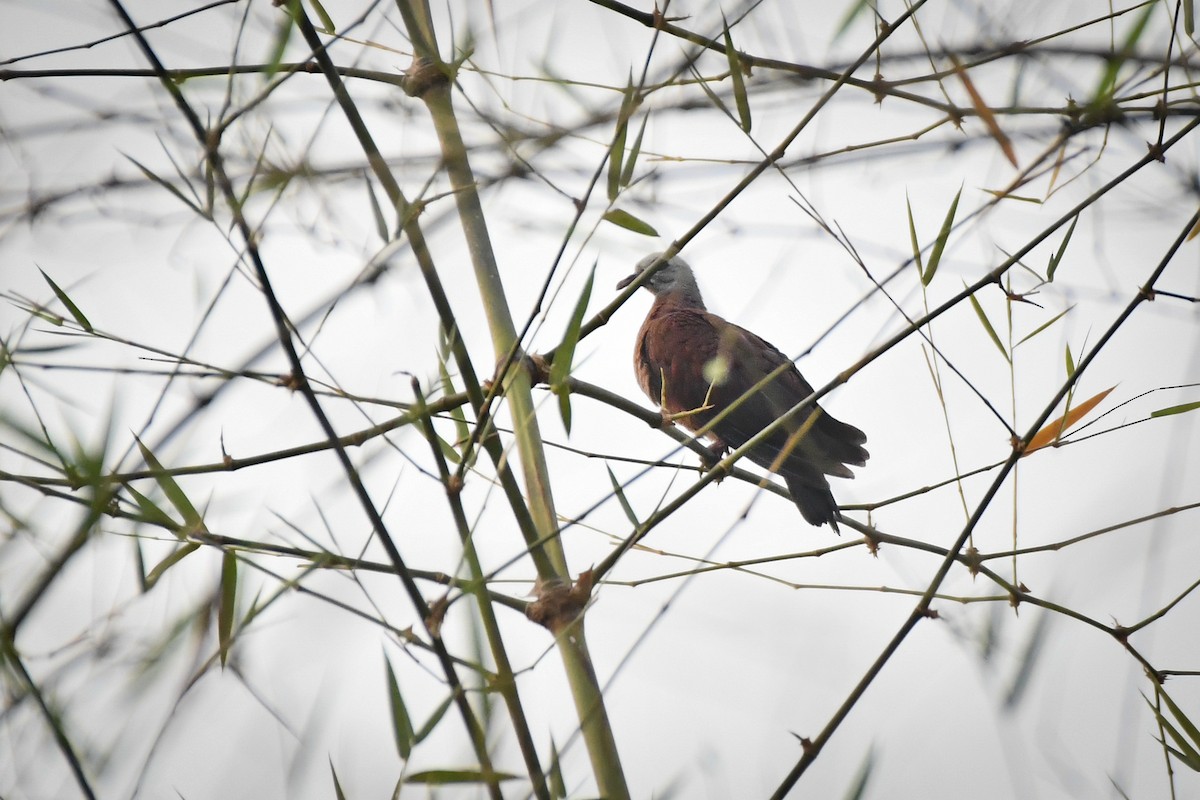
327	25
629	222
283	33
987	326
857	790
433	720
1062	248
66	301
337	785
437	777
558	786
712	96
401	723
1044	325
152	511
912	237
628	509
631	159
168	562
1108	80
1183	409
935	256
192	520
739	83
616	152
560	370
1187	752
852	13
381	228
228	603
164	183
1070	362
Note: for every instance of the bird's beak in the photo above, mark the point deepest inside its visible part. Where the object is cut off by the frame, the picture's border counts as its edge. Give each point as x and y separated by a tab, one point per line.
627	280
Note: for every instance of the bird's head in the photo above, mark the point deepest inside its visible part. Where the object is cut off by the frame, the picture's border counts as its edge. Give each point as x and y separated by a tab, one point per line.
675	276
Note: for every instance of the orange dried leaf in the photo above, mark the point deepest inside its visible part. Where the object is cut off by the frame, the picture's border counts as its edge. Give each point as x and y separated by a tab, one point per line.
985	113
1050	433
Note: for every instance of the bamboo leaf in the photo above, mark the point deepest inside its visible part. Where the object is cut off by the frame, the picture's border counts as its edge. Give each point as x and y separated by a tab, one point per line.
401	723
228	603
327	25
631	159
558	786
192	520
912	237
164	183
616	152
985	112
712	96
1183	409
433	720
935	255
283	33
1053	430
337	785
739	84
987	326
152	511
628	509
1043	326
856	9
858	789
168	562
80	319
1108	80
629	222
1062	249
560	369
1186	752
439	777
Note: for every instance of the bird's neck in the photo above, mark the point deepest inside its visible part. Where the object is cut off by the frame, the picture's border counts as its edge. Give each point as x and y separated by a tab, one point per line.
681	297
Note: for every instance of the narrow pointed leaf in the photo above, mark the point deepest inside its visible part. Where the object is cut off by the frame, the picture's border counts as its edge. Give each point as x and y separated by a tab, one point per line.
433	720
632	157
191	517
987	326
401	723
858	789
1070	362
80	319
558	786
337	785
1043	326
439	777
1188	726
739	84
445	345
168	562
1182	409
985	113
616	152
164	183
283	33
712	96
327	25
1186	752
1108	79
628	509
381	228
228	603
1062	248
560	370
1053	430
935	255
629	222
854	12
151	510
912	237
